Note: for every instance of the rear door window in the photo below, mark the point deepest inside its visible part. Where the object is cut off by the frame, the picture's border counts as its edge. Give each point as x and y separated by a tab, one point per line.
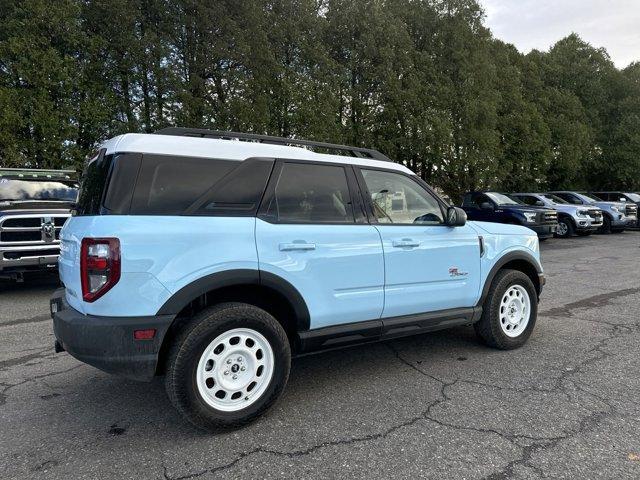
311	193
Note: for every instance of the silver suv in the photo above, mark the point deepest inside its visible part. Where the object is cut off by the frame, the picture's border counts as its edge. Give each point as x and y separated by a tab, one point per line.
34	204
582	220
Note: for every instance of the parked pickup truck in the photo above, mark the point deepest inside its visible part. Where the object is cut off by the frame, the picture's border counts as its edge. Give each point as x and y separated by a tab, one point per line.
615	213
630	199
34	204
578	219
500	208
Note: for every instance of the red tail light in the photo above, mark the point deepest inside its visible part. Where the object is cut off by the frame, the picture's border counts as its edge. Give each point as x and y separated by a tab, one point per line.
99	266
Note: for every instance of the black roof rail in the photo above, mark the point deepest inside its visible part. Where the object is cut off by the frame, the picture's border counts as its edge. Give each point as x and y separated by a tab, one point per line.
252	137
36	173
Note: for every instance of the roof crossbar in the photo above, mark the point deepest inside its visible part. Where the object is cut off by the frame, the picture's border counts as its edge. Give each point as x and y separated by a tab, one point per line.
252	137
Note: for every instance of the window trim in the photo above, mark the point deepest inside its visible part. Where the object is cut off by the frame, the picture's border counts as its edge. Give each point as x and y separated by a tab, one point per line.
269	194
373	220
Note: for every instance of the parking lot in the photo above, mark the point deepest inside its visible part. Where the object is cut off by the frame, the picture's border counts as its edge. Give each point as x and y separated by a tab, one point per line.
433	406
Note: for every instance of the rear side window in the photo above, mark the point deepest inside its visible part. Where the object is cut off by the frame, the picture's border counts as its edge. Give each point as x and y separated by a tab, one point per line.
167	184
311	193
94	181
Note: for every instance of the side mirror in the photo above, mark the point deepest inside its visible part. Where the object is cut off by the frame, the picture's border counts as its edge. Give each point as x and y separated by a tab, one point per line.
539	203
486	206
456	217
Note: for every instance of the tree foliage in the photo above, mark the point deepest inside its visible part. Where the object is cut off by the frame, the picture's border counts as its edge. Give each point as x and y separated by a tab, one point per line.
422	80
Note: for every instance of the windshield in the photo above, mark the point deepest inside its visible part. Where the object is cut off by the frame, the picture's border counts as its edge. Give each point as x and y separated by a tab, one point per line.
590	198
501	199
634	197
37	190
554	198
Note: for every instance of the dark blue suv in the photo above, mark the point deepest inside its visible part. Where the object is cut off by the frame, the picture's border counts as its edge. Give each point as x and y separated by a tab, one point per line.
500	208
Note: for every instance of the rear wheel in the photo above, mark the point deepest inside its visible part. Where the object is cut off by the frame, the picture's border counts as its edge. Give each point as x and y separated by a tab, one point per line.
509	312
228	367
565	228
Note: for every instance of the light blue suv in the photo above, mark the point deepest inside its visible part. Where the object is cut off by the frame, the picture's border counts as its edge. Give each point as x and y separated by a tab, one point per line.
213	257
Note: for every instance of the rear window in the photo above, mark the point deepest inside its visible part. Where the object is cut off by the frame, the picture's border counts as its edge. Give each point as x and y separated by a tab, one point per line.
94	180
167	185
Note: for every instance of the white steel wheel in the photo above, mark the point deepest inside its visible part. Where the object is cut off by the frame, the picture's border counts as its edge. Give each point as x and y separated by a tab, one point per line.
515	311
235	369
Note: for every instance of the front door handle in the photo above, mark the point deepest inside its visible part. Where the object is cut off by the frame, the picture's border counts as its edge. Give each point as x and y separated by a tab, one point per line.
286	247
405	242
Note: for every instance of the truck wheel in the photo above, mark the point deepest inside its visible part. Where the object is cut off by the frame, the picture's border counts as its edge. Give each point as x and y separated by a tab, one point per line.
606	225
565	228
509	312
229	365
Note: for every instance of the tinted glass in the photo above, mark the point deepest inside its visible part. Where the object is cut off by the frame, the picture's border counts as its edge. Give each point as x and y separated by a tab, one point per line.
554	198
570	198
167	185
92	185
37	190
398	199
312	193
239	192
124	172
528	199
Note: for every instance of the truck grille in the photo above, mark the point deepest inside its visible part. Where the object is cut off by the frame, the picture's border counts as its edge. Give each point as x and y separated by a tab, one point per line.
550	217
631	209
33	229
596	215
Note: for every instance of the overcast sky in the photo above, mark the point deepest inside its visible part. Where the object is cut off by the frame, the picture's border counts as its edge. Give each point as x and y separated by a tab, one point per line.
529	24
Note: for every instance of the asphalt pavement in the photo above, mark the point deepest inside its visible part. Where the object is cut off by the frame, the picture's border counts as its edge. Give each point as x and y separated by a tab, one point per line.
439	406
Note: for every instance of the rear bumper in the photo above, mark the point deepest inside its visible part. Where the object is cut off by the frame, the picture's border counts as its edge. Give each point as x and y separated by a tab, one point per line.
544	231
107	343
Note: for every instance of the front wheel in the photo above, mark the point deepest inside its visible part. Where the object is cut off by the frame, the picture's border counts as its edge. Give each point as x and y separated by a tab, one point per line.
606	225
565	228
509	312
230	364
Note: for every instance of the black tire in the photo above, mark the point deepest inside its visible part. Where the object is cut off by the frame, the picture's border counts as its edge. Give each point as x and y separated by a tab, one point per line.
185	353
488	327
606	225
569	230
618	230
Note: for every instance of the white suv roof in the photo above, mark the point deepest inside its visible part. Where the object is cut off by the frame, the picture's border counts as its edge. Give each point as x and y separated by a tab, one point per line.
230	149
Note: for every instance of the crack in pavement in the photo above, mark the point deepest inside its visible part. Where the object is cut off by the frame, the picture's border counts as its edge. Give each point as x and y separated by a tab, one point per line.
590	302
23	321
14	362
9	386
538	444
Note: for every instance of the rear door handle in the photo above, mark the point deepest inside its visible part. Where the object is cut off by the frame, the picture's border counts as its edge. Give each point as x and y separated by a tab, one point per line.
405	242
286	247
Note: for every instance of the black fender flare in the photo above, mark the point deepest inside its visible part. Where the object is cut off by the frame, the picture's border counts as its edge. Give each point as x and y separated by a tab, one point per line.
564	215
238	277
502	261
